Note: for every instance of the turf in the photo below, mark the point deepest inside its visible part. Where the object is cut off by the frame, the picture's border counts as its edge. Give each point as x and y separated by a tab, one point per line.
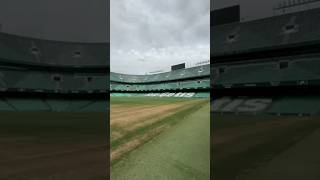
38	145
131	129
171	120
241	143
181	151
300	161
146	100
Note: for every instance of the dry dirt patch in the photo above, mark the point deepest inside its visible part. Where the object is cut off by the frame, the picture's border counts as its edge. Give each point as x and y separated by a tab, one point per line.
131	118
127	119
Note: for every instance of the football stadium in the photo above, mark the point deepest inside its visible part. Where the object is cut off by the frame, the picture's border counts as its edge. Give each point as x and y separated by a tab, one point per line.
160	124
265	95
53	108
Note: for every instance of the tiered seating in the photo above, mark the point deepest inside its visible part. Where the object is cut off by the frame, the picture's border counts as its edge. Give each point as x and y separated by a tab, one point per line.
70	82
23	49
28	104
310	65
296	105
41	80
298	71
188	84
54	105
58	105
202	95
198	71
97	83
11	77
204	83
288	29
36	80
95	106
163	81
4	106
31	54
35	65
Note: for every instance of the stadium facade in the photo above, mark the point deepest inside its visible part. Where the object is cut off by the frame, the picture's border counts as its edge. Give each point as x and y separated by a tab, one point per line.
189	82
268	65
47	75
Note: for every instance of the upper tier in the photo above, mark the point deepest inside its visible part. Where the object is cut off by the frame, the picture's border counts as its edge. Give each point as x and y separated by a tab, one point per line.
299	28
167	76
30	50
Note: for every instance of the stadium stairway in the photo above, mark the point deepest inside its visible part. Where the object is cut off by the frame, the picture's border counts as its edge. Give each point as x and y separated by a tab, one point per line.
51	105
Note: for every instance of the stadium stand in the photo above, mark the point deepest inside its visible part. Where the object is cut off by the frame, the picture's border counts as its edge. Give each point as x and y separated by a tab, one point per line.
45	75
30	50
291	30
195	79
297	72
193	72
303	105
250	60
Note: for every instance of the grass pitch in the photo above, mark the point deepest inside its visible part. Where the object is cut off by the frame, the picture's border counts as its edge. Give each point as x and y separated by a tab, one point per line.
160	138
242	143
42	145
136	120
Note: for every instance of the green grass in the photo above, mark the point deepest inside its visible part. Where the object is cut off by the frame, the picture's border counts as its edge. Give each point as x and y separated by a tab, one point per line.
146	100
149	129
167	121
259	146
179	153
38	145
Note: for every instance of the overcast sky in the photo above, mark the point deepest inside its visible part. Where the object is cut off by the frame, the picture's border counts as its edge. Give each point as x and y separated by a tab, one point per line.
152	35
66	20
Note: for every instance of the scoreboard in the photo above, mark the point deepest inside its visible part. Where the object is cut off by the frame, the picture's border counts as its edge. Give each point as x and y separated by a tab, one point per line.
178	66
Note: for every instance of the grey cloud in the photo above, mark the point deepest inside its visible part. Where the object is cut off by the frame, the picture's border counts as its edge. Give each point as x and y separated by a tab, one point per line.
161	33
